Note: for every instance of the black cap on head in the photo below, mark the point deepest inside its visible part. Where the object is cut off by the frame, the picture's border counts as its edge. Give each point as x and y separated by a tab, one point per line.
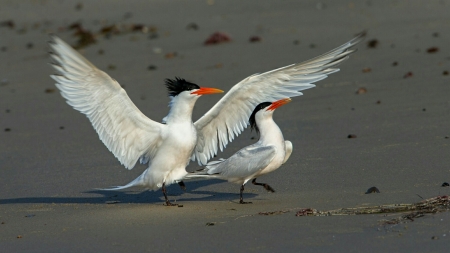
179	85
252	117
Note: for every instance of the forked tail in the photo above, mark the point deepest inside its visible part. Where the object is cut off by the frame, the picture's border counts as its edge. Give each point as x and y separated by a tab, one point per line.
206	172
136	182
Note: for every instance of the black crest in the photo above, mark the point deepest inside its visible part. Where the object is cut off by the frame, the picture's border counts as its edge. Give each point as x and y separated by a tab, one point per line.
179	85
252	117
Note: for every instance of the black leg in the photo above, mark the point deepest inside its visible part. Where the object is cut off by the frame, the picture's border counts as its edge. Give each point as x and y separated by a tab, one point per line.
165	195
241	201
266	186
182	185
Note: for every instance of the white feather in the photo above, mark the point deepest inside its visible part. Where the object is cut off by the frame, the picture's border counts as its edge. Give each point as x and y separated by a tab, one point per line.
125	130
230	114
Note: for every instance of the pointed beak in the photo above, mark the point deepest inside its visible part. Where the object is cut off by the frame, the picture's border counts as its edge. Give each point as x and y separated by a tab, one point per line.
205	91
278	103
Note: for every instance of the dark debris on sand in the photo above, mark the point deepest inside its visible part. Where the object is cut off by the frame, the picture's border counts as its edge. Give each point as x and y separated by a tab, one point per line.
254	39
432	50
50	90
372	43
408	75
217	38
87	37
8	23
372	190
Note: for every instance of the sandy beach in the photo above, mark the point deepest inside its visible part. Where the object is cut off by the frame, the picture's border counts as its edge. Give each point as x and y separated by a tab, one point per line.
392	97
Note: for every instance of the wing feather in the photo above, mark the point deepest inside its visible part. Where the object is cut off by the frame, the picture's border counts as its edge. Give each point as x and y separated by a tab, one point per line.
243	163
230	115
122	127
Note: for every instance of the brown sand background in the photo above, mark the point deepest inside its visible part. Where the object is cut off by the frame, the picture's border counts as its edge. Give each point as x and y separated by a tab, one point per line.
48	175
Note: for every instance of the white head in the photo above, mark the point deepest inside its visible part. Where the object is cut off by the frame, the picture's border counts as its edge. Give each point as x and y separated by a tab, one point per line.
183	96
180	88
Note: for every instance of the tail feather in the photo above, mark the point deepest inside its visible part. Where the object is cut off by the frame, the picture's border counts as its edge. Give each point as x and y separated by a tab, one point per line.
136	182
212	163
214	166
195	175
207	172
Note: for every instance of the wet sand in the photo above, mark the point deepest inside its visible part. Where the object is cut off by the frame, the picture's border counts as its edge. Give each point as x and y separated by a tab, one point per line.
51	159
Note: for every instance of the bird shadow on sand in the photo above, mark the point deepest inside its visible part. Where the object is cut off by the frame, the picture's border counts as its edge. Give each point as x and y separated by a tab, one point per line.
140	196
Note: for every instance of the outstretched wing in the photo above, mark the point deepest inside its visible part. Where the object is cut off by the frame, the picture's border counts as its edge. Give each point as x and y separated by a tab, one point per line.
229	116
122	127
244	163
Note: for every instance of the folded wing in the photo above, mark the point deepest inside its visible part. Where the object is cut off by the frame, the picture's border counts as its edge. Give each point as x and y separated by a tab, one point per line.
244	163
122	127
228	118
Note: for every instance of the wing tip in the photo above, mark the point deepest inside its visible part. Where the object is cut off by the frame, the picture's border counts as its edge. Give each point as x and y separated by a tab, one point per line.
358	38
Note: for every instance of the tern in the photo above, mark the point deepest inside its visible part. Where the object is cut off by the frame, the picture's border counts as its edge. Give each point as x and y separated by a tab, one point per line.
166	148
262	157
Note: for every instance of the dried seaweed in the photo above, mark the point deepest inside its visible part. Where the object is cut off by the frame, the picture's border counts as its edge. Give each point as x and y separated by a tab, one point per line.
273	213
431	205
217	38
87	37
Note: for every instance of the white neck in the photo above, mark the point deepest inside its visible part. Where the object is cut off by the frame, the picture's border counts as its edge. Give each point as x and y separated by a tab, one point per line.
270	133
181	108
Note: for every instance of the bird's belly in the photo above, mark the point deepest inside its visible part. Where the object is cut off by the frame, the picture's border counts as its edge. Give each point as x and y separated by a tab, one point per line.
173	156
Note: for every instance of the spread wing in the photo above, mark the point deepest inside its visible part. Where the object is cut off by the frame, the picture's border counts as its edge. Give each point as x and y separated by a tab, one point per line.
229	116
122	127
244	163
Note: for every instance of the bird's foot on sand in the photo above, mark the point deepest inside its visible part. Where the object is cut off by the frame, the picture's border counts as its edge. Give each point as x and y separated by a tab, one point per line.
268	188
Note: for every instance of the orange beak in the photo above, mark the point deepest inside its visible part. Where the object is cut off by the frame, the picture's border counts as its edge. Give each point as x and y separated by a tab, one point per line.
278	103
205	91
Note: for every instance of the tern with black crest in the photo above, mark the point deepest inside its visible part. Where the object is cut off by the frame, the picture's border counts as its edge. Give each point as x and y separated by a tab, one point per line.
167	147
262	157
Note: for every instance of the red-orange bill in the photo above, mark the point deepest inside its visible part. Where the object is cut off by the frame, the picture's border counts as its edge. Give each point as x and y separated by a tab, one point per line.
278	103
205	91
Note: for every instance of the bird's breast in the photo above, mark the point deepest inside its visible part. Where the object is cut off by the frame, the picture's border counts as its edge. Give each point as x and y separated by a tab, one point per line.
182	138
277	160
